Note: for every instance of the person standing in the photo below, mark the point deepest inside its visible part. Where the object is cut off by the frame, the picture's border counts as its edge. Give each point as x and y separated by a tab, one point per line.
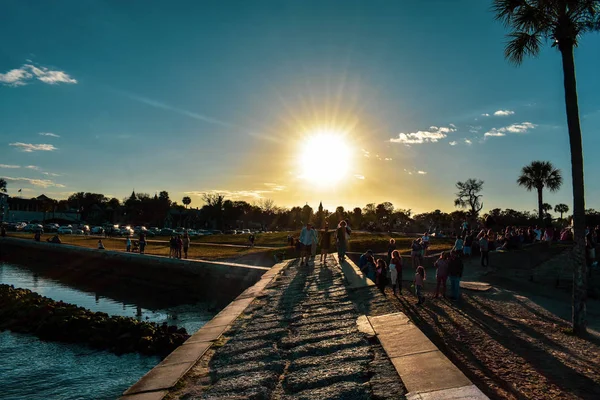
381	275
325	242
455	272
419	282
128	244
186	244
390	249
179	246
100	244
315	239
441	274
484	250
306	240
142	242
425	243
342	240
468	245
458	246
415	253
396	272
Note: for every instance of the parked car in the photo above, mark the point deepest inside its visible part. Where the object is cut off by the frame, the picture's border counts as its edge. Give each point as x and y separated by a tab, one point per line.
78	231
126	231
97	230
51	227
167	232
65	230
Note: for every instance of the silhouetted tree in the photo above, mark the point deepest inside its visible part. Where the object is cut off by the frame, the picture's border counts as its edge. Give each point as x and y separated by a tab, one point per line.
468	197
539	175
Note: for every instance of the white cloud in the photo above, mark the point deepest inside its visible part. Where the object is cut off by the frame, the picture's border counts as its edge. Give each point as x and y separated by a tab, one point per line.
275	186
422	172
485	115
48	134
35	182
22	76
467	141
474	129
33	167
503	113
15	77
388	159
366	153
523	127
53	174
29	147
452	143
9	166
432	135
361	177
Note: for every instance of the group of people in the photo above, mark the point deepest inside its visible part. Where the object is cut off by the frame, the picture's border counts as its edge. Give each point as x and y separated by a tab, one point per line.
381	272
310	238
179	245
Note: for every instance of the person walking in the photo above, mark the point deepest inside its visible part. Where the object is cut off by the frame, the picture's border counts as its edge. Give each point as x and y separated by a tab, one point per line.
441	274
396	272
419	282
186	245
381	275
128	244
341	235
325	242
484	251
455	272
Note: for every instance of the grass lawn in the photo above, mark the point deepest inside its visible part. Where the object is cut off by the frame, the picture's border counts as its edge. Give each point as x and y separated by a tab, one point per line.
205	252
359	242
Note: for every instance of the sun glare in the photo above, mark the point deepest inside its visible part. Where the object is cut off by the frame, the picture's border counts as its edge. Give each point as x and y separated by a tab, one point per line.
325	158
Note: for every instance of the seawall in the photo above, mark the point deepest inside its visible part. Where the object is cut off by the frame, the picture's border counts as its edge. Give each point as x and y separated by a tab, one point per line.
131	275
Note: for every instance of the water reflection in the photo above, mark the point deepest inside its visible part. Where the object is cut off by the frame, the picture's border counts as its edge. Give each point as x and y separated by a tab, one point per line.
32	369
191	317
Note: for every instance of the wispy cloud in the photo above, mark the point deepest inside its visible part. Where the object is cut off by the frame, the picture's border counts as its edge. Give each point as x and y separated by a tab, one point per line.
485	115
503	113
358	176
366	153
422	172
164	106
432	135
9	166
29	147
34	167
35	182
28	72
523	127
53	174
474	129
49	134
275	186
387	159
468	141
453	143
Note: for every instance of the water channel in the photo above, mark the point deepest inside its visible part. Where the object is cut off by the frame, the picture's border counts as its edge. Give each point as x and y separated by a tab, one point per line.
33	369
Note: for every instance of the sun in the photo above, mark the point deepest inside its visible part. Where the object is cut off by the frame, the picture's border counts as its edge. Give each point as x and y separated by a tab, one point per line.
325	157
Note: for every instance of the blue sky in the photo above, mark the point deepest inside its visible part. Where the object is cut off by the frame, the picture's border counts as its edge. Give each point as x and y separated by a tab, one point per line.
198	96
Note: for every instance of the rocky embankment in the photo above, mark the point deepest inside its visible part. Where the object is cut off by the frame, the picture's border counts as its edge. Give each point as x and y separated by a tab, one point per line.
24	311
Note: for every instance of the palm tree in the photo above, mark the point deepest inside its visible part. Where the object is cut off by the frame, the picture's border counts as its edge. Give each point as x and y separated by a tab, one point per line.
561	208
546	208
186	201
539	175
561	22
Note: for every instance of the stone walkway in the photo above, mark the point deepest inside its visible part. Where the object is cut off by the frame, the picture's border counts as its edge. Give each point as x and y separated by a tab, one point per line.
299	340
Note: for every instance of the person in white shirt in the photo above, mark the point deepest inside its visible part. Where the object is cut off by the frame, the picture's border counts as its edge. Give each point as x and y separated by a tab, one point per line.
538	234
307	237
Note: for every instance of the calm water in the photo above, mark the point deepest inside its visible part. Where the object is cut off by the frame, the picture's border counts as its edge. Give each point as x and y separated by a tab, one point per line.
31	369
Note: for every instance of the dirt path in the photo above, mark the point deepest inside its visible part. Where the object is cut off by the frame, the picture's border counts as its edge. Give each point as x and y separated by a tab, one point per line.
508	345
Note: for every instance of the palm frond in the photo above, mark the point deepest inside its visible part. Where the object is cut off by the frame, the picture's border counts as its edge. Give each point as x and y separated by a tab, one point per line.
522	44
505	9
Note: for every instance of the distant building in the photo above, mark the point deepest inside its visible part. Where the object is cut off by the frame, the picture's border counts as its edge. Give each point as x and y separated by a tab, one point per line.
40	209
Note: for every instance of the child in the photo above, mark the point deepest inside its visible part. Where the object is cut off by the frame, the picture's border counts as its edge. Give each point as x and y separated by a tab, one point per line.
396	271
381	275
419	280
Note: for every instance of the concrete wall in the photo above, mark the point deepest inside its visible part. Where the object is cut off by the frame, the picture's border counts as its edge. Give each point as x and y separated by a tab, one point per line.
129	275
